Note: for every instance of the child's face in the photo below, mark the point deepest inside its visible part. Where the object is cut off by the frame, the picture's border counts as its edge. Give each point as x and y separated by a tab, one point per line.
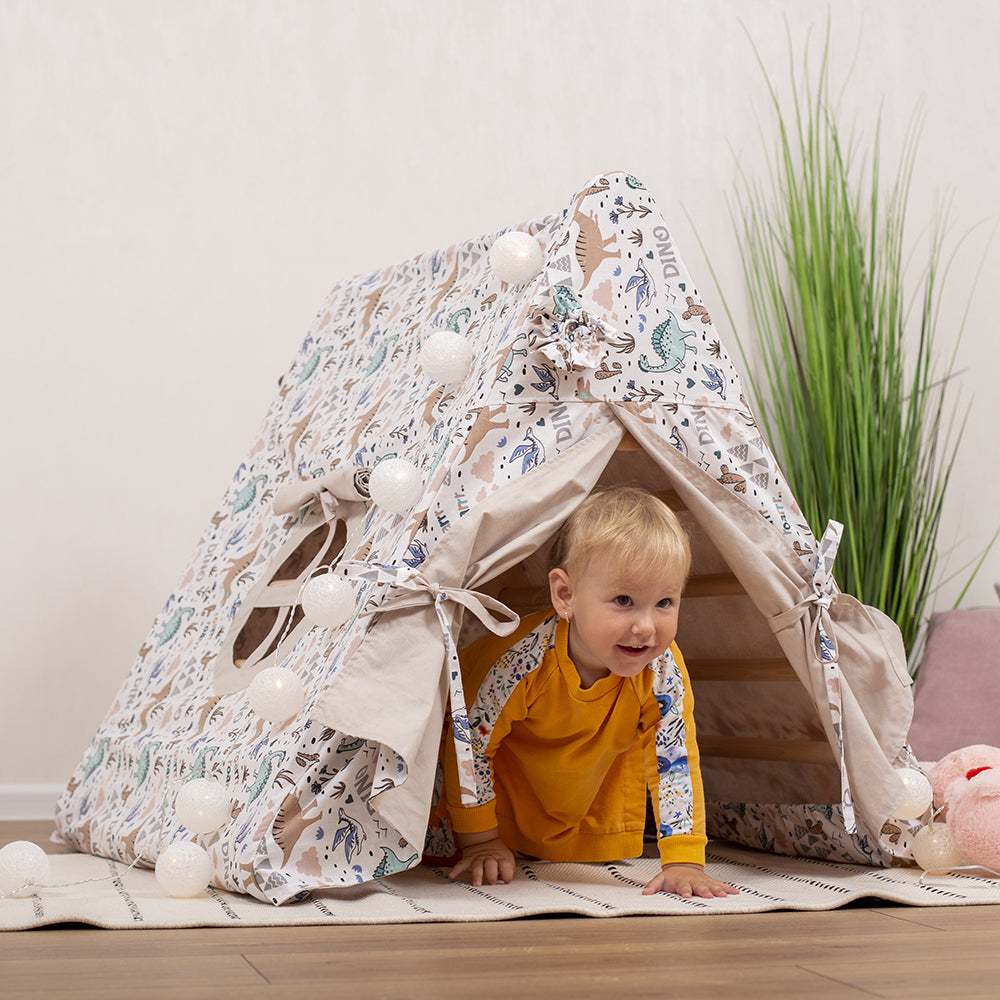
620	620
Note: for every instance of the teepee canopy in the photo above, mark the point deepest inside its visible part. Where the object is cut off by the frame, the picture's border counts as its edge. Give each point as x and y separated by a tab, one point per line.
577	353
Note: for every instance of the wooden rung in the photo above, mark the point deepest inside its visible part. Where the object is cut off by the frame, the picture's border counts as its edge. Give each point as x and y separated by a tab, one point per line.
762	669
713	585
742	748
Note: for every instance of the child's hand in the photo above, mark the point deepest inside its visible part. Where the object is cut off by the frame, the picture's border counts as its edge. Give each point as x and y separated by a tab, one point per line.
688	880
491	860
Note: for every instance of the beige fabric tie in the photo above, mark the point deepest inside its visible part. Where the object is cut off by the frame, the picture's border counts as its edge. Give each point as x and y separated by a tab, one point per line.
413	589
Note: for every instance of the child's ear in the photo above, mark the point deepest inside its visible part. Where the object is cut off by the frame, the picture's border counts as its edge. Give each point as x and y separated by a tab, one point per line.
561	592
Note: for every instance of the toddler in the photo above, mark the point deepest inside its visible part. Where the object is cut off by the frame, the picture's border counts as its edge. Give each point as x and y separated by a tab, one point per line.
586	707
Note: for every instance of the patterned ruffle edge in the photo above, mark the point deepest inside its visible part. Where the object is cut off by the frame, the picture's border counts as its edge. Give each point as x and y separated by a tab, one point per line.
565	333
797	830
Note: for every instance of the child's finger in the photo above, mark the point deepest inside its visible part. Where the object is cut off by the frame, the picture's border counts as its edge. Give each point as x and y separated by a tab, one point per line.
653	886
507	870
459	868
712	888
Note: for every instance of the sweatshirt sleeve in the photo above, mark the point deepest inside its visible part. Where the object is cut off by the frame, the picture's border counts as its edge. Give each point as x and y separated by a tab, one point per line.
673	768
494	675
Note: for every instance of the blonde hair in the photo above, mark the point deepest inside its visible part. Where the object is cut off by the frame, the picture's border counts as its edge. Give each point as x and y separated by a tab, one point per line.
627	523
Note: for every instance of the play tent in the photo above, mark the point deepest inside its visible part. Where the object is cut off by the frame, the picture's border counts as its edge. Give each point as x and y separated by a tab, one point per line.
602	366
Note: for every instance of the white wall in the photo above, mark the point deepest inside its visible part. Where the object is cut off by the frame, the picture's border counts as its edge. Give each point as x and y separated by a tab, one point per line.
182	181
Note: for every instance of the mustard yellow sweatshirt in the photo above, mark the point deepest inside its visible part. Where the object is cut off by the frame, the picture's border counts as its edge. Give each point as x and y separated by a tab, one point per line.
561	770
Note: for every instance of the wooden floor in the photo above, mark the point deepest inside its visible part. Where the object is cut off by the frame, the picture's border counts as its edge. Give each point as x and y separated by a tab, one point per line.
880	950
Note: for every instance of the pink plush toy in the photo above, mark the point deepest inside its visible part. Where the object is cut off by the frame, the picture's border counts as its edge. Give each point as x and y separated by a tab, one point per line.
967	784
957	764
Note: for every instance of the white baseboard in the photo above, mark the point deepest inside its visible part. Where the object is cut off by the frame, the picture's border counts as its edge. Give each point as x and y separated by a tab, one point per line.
29	801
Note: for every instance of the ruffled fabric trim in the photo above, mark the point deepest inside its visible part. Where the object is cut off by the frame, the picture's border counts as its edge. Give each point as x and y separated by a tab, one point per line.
565	333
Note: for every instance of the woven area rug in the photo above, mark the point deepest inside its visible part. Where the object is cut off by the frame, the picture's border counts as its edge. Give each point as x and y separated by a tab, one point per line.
132	898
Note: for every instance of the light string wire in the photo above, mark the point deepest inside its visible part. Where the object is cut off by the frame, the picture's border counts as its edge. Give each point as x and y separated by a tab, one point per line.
13	893
930	873
172	781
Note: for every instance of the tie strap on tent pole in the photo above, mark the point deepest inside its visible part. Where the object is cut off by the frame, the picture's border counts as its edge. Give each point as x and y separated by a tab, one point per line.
823	647
413	590
329	490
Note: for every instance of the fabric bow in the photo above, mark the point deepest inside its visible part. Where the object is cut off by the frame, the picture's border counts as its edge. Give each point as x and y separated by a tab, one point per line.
824	648
568	335
330	489
413	589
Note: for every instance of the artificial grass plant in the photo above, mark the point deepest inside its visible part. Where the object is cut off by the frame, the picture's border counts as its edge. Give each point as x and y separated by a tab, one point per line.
848	381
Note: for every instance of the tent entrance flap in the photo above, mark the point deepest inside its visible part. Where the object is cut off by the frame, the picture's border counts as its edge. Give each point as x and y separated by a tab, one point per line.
749	751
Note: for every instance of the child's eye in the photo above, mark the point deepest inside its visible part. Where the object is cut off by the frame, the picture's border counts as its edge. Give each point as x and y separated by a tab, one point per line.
665	603
623	600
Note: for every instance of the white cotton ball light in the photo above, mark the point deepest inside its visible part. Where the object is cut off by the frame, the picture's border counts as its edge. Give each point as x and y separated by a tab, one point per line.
516	257
22	865
276	694
328	600
917	796
202	805
183	870
933	847
395	485
446	356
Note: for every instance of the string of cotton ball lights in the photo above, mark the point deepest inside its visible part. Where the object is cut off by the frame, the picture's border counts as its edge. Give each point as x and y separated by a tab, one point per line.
394	485
202	806
276	693
327	600
25	868
445	355
933	848
932	845
184	868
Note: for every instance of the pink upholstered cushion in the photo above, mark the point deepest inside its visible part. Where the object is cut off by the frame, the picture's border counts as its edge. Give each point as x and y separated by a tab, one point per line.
957	693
